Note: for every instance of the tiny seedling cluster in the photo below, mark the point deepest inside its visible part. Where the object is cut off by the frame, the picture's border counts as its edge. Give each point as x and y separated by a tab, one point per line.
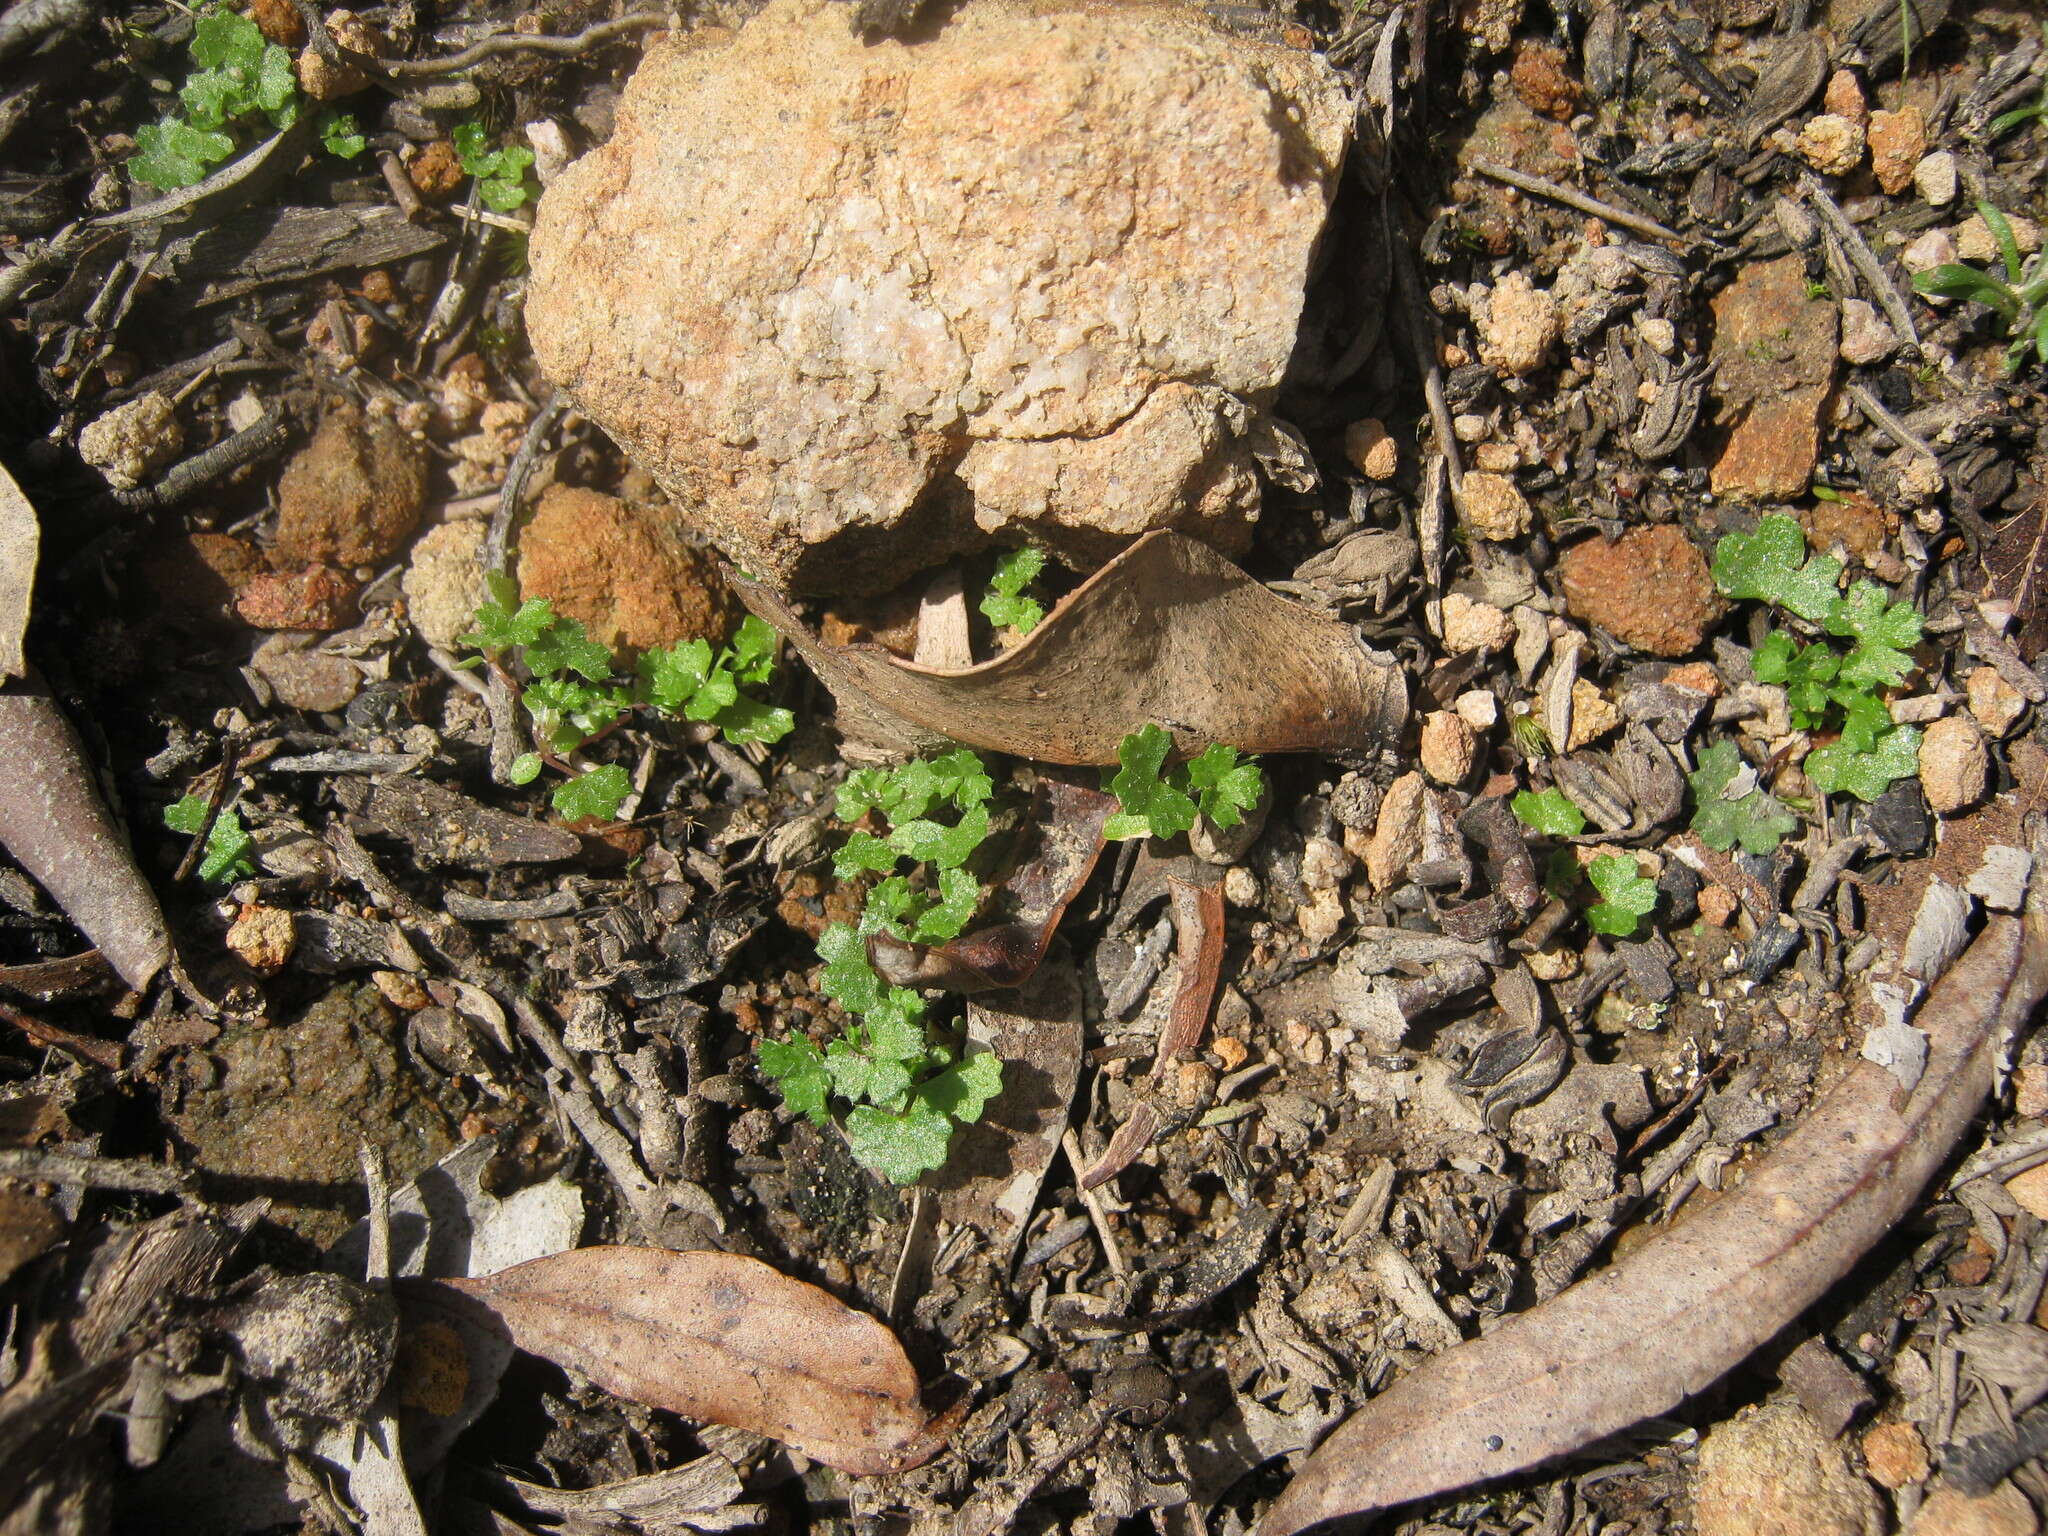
907	1087
1828	689
2018	297
500	172
573	696
228	844
1154	800
1008	603
237	79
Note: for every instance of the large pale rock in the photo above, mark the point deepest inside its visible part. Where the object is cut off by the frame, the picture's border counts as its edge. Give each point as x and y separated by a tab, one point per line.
857	307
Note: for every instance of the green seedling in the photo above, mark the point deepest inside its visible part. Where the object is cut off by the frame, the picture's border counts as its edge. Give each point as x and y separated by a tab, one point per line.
1751	817
228	845
500	173
340	136
1007	605
906	1089
1825	688
1627	895
573	695
2033	112
1156	801
1549	812
2019	299
238	79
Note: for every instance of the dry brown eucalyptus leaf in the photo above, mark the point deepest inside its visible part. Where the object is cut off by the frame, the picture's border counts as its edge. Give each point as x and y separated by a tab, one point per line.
54	823
1169	631
20	538
1689	1305
720	1338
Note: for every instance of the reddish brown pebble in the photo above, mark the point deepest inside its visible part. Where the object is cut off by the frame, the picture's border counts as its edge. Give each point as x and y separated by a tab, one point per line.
353	495
318	597
279	22
1718	904
1543	80
622	570
436	171
1894	1455
1650	589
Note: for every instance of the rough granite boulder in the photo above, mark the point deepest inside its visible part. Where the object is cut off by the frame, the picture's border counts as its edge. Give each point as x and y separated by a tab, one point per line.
858	307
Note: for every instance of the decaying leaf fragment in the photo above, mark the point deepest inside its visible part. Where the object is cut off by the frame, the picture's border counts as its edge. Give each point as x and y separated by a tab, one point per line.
54	823
720	1338
1691	1304
20	538
1169	631
1065	829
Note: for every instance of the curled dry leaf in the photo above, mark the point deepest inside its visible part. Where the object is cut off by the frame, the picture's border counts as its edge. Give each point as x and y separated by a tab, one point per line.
1691	1304
1169	631
720	1338
55	824
1065	839
20	538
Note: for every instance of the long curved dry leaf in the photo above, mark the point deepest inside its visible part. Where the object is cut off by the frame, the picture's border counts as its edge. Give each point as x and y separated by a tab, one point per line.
20	538
1169	631
55	824
1691	1304
1065	831
720	1338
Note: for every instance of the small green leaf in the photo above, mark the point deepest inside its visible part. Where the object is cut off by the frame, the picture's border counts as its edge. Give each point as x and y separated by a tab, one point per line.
960	777
889	906
525	768
173	154
1151	807
746	720
187	815
1954	281
900	1147
674	673
599	793
276	83
848	978
2001	231
1628	895
932	842
753	651
1549	812
340	136
228	845
862	792
564	647
1840	769
1767	565
962	1092
1753	818
959	897
864	852
1224	788
798	1069
1005	605
856	1075
504	621
1882	629
210	97
226	40
472	143
501	195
